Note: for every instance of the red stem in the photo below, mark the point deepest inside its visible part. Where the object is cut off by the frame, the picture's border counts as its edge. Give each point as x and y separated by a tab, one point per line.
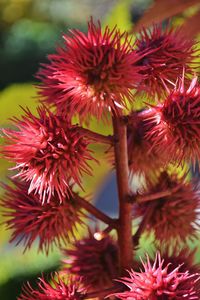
143	225
96	212
125	208
151	197
100	138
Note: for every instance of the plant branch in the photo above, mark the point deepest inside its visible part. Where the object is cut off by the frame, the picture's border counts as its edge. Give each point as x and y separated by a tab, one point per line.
151	197
96	212
148	214
125	208
108	229
100	138
143	224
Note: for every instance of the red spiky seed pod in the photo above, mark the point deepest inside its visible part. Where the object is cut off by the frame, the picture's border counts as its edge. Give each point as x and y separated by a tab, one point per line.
156	282
166	52
52	223
184	258
173	217
143	157
181	113
49	153
58	289
95	259
177	131
93	73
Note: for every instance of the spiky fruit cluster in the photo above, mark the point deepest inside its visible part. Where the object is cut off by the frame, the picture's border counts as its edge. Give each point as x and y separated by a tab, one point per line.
173	217
96	74
49	153
143	157
93	73
58	289
156	282
183	258
53	223
177	130
166	53
95	259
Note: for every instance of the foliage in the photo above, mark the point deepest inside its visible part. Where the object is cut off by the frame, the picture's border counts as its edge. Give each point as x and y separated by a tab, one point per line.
102	93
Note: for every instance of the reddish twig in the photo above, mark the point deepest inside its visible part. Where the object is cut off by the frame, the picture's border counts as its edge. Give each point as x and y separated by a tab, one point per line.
96	212
100	138
125	208
152	197
143	225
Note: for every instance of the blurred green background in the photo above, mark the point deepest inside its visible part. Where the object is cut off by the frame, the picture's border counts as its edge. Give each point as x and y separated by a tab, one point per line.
29	30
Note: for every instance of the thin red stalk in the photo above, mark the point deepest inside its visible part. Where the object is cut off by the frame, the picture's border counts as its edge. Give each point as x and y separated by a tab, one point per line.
142	225
96	212
108	229
100	138
125	208
151	197
147	216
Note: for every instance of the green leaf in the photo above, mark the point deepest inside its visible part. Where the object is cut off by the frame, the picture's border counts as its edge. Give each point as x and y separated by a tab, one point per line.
15	96
120	15
13	263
